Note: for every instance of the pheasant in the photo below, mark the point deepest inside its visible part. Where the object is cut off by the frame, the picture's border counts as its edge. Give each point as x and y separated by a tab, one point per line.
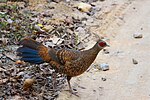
65	61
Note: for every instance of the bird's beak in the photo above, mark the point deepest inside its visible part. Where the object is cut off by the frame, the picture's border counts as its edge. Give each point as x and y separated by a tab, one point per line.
108	45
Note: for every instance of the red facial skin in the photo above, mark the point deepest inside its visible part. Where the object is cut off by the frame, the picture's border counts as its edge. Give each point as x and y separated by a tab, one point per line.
102	44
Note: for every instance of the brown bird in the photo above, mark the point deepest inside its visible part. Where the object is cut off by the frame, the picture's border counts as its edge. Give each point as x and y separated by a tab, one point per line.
65	61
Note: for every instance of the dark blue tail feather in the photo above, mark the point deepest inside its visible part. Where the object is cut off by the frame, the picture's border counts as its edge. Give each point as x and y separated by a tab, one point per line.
33	60
29	55
27	50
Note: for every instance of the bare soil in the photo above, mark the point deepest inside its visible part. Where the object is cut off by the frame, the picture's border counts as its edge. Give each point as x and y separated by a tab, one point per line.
124	80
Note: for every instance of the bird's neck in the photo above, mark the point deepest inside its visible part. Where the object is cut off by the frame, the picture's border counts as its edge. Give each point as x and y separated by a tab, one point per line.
95	49
89	56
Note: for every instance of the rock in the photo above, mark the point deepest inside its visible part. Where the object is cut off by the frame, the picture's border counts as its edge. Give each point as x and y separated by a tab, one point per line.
103	79
106	51
84	7
2	13
104	67
56	1
67	0
9	21
137	35
21	74
81	33
50	44
74	89
81	30
82	87
134	61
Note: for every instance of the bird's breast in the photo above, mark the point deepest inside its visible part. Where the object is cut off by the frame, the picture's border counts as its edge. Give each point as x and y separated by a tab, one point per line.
78	66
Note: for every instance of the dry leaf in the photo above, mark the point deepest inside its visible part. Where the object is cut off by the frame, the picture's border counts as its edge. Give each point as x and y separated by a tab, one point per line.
3	81
28	84
48	28
19	62
3	41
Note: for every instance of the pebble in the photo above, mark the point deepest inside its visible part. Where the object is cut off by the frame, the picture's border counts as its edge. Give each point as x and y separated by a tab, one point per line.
9	21
81	87
103	79
106	51
134	61
67	0
2	13
137	35
74	89
90	20
84	7
104	67
81	30
51	44
21	74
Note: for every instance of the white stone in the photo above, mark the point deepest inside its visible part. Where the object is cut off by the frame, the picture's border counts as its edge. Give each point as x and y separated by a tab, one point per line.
137	35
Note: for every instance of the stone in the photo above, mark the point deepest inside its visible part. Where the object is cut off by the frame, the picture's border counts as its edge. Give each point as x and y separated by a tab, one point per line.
9	21
84	7
103	79
137	35
134	61
106	51
104	67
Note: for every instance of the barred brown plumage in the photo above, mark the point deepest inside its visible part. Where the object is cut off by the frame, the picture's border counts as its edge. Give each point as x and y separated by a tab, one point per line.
65	61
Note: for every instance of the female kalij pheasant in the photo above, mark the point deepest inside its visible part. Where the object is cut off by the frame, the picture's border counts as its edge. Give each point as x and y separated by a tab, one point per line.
65	61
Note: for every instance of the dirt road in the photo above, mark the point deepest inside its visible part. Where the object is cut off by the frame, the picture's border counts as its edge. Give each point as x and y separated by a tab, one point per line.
124	80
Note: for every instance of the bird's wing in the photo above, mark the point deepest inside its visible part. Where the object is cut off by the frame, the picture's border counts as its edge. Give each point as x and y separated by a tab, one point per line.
64	55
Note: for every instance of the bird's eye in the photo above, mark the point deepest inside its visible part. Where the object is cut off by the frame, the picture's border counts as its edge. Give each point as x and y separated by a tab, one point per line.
102	44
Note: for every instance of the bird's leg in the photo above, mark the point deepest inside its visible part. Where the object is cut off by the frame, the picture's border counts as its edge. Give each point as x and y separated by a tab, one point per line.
68	80
70	88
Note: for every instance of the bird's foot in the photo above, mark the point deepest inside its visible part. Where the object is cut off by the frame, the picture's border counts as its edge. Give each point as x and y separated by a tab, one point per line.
73	92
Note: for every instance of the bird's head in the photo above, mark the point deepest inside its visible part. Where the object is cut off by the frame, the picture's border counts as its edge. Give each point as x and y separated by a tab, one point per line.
101	44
